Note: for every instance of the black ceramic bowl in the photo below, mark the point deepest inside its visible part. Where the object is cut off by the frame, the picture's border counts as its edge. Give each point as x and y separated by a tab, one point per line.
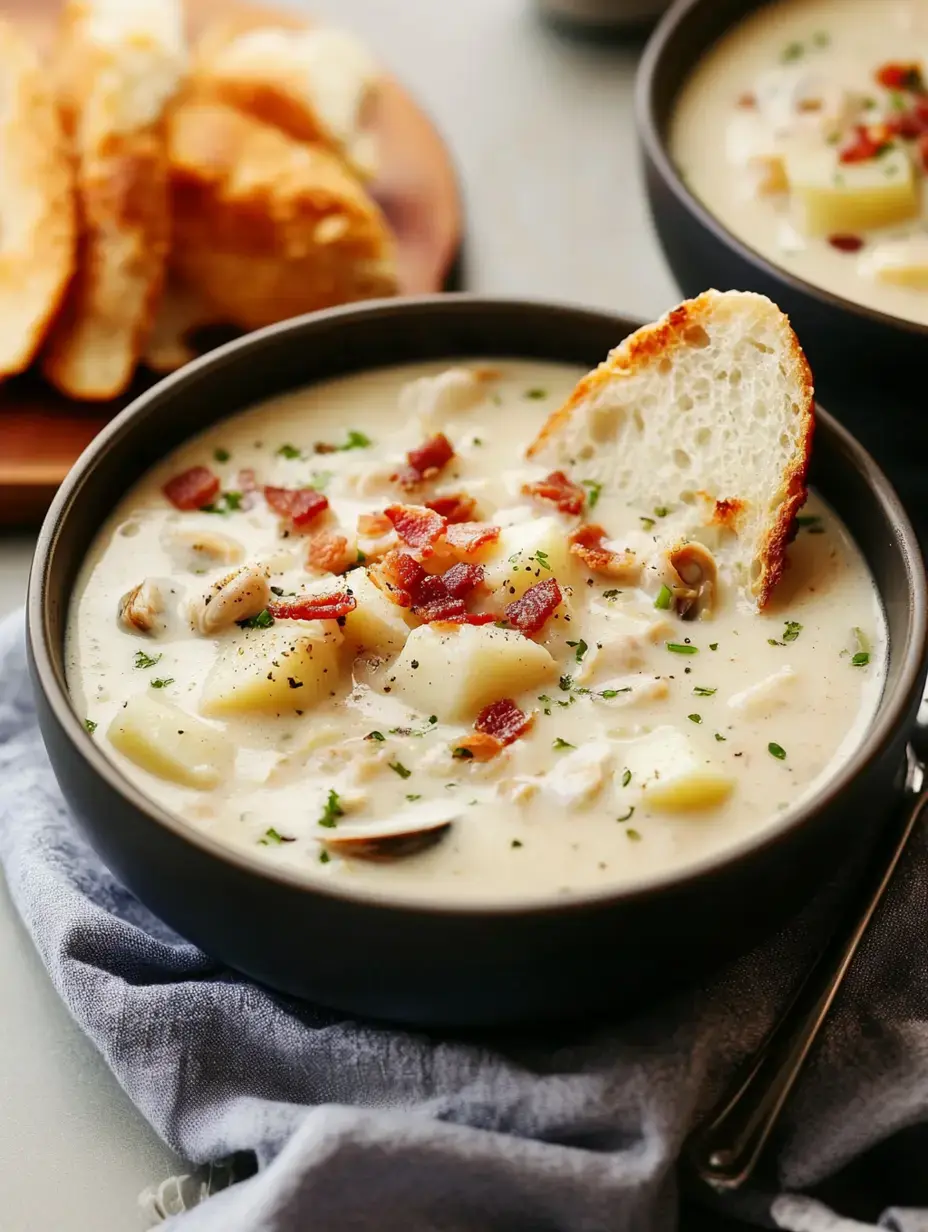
439	964
849	347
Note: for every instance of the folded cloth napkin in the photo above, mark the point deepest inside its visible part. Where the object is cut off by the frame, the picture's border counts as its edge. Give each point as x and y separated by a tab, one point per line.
355	1125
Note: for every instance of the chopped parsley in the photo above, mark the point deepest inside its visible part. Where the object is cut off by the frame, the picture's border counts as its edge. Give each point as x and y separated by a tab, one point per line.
263	620
594	491
681	648
562	744
462	754
634	835
647	523
515	843
810	522
413	797
271	838
375	735
661	511
398	768
90	725
720	738
701	691
476	441
627	816
162	682
542	558
609	694
289	451
324	856
664	598
777	751
143	660
221	455
821	38
792	52
356	440
228	502
694	718
611	595
546	702
536	394
772	641
713	645
792	631
565	683
581	649
332	811
626	778
862	657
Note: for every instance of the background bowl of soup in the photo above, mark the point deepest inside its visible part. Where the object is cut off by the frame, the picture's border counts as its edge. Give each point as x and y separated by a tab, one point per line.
719	81
429	955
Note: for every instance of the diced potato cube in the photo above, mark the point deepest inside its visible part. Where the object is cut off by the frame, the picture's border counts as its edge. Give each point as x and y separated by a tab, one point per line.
834	198
170	743
525	554
375	624
285	668
671	775
575	778
899	263
455	674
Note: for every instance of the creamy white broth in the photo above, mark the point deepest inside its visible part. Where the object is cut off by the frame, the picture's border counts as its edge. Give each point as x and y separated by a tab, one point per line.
541	818
781	60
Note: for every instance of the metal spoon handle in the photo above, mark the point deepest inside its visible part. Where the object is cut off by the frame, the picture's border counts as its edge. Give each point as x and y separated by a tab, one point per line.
725	1149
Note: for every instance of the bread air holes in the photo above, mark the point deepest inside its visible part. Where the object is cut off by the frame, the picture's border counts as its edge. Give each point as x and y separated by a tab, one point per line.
760	409
696	336
701	387
681	459
703	436
760	346
685	403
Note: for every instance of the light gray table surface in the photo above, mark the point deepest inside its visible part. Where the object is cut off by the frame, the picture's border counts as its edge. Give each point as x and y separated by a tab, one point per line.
542	133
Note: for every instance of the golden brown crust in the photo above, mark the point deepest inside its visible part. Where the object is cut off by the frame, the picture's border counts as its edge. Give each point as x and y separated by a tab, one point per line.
266	227
684	326
37	214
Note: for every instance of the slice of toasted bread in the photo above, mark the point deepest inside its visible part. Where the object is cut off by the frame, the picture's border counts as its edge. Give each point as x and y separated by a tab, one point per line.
37	215
121	64
266	227
710	407
315	84
180	314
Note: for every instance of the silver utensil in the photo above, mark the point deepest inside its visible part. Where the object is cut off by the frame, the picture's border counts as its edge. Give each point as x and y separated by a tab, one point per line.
725	1149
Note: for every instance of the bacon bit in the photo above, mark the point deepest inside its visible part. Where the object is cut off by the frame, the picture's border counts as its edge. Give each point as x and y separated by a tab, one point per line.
398	576
503	720
466	538
300	505
846	243
910	124
451	624
923	150
530	613
559	490
461	579
453	610
328	552
747	101
315	607
479	746
192	489
901	76
458	508
373	525
867	143
418	527
587	542
426	461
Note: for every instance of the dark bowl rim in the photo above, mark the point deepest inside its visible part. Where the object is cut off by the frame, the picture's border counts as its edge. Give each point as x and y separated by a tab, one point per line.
656	150
879	736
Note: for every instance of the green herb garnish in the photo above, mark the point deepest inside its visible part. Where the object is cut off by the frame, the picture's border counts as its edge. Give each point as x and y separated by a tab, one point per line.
562	744
595	491
713	645
626	778
515	843
721	739
228	502
664	599
221	455
356	440
332	811
777	751
792	631
289	451
263	620
791	52
565	683
546	702
462	754
694	718
647	523
661	511
413	797
375	735
634	835
628	815
681	648
861	659
609	694
611	595
581	649
320	480
772	641
701	691
143	660
542	558
162	682
324	856
536	394
90	725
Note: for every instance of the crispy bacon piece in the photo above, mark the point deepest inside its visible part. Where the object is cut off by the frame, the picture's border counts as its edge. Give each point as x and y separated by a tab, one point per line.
461	579
477	746
444	608
503	720
458	508
588	542
418	527
192	489
300	505
539	602
432	596
315	607
846	243
466	538
398	576
373	525
329	552
425	462
558	490
867	143
901	76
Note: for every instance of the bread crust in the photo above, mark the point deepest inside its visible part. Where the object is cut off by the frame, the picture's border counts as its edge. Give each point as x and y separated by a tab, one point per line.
656	342
266	227
38	230
124	212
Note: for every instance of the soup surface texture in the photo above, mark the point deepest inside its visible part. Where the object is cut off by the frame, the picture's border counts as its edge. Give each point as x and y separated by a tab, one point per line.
805	131
628	740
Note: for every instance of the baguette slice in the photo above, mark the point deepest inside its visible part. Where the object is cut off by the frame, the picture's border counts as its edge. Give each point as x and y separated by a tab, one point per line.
710	407
121	65
37	216
315	84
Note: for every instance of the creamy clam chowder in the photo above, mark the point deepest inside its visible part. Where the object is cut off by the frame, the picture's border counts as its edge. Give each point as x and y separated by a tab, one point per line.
475	701
805	131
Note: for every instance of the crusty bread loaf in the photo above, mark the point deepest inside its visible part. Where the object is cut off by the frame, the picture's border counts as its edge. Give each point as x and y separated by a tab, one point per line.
711	407
37	217
315	83
266	227
121	64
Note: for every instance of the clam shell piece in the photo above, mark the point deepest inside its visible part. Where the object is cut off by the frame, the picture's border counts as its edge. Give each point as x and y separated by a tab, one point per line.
393	840
141	609
199	548
693	578
239	596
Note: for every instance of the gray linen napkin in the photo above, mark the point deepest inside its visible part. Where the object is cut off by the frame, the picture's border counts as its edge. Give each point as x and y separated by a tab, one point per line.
359	1126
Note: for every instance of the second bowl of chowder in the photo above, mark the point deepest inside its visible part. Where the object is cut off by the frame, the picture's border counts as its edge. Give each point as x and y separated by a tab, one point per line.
291	766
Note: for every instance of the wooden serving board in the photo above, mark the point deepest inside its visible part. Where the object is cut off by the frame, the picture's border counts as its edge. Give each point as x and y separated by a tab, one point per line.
42	433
